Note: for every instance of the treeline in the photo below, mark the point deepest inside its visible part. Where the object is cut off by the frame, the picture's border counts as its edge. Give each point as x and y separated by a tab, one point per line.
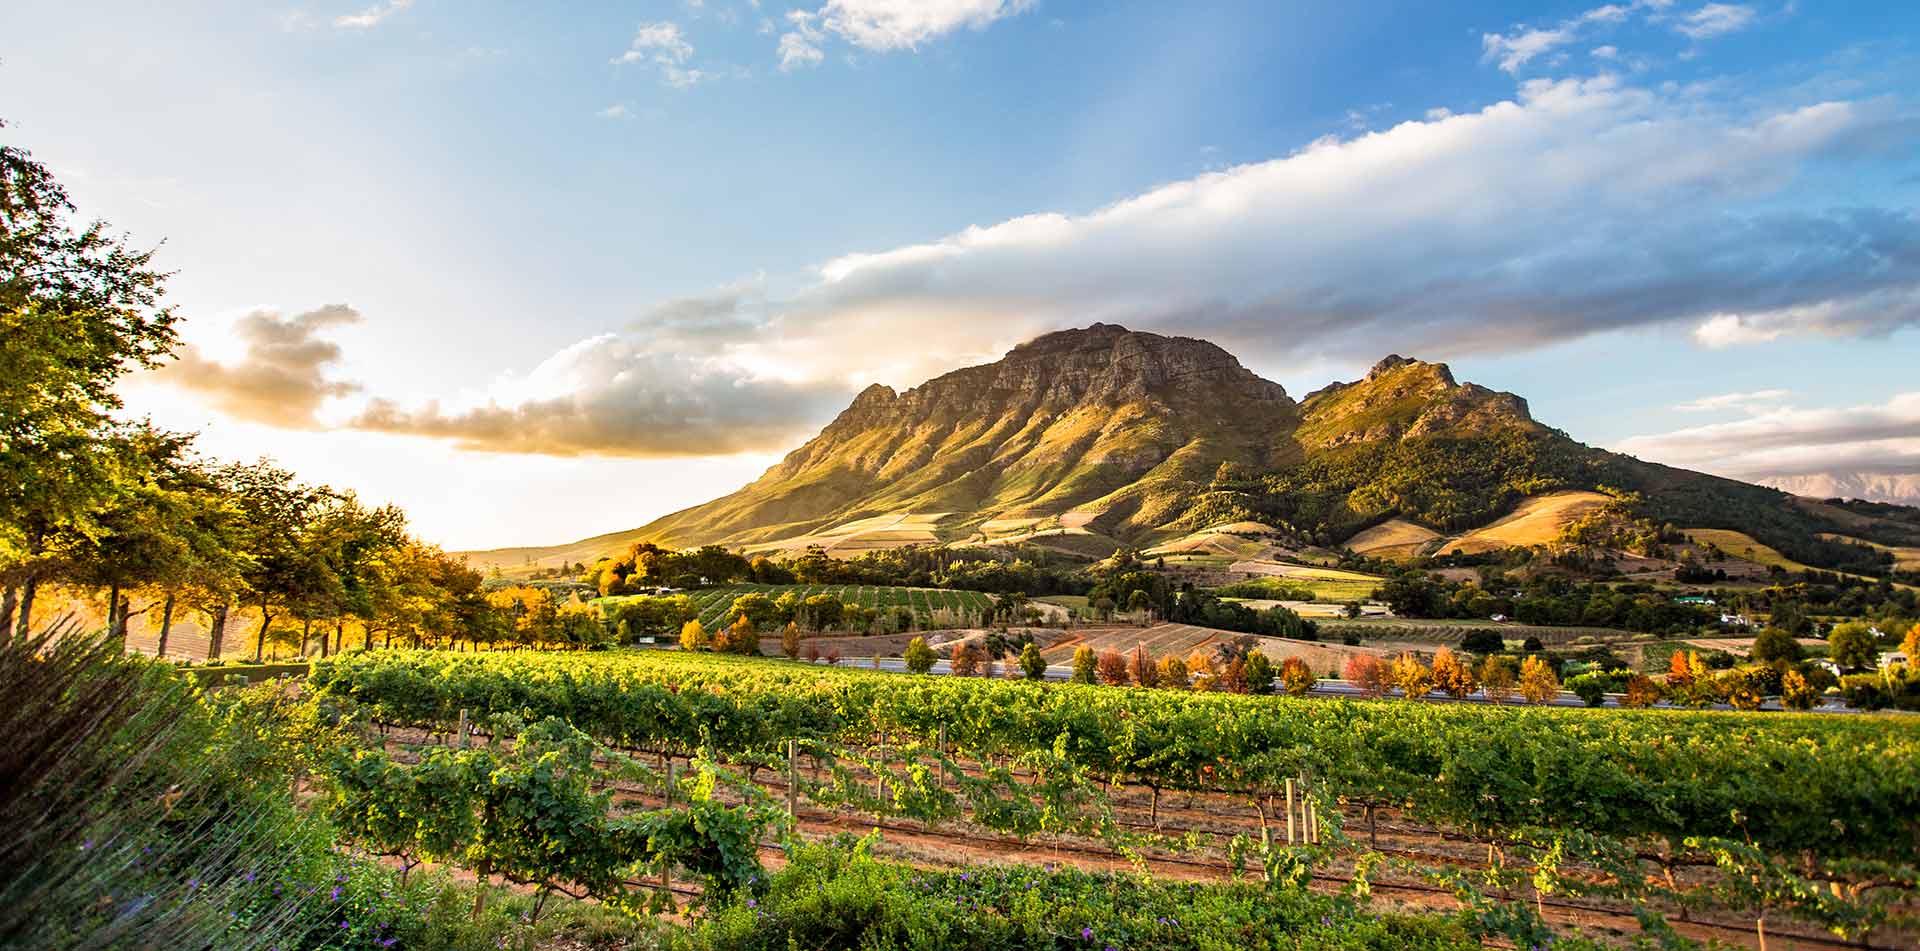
1542	599
1129	588
646	567
130	516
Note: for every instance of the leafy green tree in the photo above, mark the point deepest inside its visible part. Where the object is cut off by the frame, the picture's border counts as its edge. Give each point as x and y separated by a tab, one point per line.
1084	663
1774	644
919	656
1259	672
1031	663
1851	645
79	308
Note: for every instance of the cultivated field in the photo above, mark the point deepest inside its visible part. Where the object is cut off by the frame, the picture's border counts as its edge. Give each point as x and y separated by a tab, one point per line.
713	603
1396	538
1536	521
1327	584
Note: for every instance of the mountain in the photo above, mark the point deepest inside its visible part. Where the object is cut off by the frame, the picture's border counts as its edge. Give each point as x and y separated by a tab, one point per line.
1897	488
1088	439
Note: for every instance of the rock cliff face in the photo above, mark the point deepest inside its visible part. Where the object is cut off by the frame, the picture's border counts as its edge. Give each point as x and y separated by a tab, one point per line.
1401	398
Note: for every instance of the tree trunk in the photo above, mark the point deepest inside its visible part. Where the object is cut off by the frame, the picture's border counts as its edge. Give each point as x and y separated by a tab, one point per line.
217	632
260	640
339	636
8	602
306	635
166	626
27	591
116	631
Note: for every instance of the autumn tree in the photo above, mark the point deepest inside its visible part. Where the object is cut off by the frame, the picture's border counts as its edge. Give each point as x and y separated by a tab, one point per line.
965	660
1140	666
790	642
1411	675
741	637
1450	675
1171	673
1498	677
1112	669
1642	691
1537	681
1366	672
1296	677
693	637
1796	693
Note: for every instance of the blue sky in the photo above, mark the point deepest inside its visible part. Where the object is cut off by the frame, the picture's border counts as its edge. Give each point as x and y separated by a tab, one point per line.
576	269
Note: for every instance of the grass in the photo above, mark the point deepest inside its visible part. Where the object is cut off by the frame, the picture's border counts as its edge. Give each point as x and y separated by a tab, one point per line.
1746	548
1535	521
1395	538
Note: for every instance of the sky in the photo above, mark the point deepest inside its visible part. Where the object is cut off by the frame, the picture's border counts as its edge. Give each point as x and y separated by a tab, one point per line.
535	272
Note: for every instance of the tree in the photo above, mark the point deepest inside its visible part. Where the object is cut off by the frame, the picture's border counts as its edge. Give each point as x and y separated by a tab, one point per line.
1412	676
965	660
1532	645
1259	672
1450	675
1679	671
1140	666
1774	644
918	655
1497	677
741	637
1851	645
1171	673
693	637
1112	669
1296	678
790	642
79	309
1537	681
1366	672
1351	609
1083	664
1483	641
1910	645
1642	691
757	608
1796	693
1031	663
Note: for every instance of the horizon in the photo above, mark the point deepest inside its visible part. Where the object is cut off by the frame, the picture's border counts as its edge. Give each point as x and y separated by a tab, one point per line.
579	271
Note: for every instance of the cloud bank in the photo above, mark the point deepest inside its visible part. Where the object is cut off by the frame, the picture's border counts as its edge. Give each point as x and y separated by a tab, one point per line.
1779	444
282	378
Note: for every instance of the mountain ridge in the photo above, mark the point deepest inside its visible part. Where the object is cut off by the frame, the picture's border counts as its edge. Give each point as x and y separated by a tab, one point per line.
1097	437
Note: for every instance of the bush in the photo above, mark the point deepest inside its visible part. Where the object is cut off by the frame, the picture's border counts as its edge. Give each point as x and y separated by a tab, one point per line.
1483	641
1259	673
1775	644
1031	663
1591	687
1083	664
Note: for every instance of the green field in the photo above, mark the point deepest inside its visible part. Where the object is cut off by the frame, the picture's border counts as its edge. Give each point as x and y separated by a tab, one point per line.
714	602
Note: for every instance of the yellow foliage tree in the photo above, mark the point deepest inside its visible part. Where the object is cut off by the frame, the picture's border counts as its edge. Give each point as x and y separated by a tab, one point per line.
1172	673
790	640
693	637
1497	678
1412	676
1537	681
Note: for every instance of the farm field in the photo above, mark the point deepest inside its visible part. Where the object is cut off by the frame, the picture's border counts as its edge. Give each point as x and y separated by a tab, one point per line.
1536	521
1178	779
1905	558
1450	630
1327	584
713	603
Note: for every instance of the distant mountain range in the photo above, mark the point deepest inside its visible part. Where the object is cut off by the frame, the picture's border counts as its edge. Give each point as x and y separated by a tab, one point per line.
1088	439
1873	487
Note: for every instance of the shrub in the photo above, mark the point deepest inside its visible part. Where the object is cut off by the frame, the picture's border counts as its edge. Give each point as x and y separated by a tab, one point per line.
1112	669
1031	663
1796	693
1483	641
1590	687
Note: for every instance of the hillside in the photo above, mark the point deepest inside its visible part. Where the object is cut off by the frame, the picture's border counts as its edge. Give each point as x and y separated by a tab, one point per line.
1085	440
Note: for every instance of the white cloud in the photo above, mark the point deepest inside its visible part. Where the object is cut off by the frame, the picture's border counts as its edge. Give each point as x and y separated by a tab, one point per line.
1514	50
372	16
616	111
1715	19
663	45
886	25
1882	438
281	376
1577	207
1748	401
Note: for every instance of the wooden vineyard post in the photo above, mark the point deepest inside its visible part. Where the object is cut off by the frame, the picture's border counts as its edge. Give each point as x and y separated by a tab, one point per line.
670	780
463	728
793	778
1289	811
943	756
880	769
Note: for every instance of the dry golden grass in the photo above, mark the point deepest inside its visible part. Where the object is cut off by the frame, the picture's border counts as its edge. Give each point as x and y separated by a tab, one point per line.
1537	521
1905	558
1397	539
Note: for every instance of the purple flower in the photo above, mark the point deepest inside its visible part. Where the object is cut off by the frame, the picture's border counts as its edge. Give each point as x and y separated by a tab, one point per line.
752	904
1086	934
336	893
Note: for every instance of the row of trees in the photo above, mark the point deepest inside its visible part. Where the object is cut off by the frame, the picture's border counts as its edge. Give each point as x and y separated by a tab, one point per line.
129	514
